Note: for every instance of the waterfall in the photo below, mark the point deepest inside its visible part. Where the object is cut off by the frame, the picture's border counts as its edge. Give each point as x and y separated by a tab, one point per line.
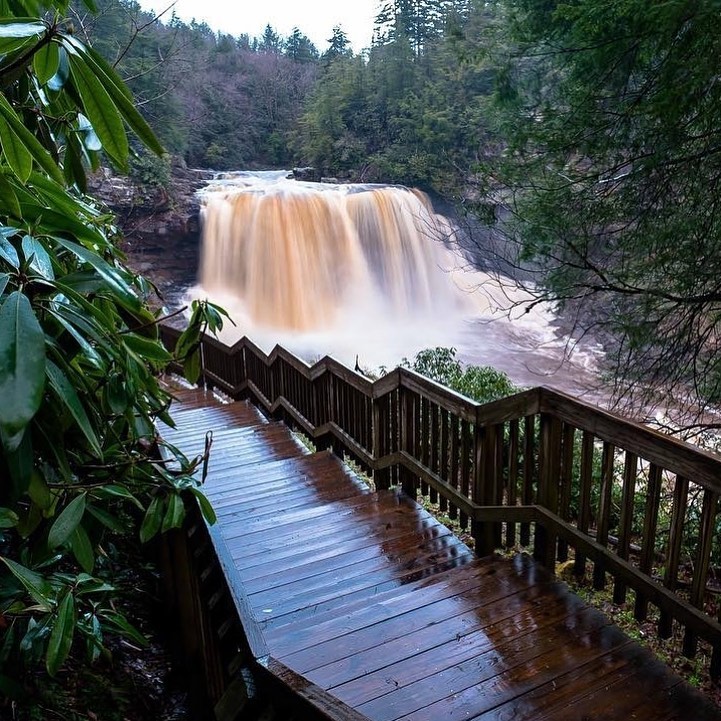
297	256
371	272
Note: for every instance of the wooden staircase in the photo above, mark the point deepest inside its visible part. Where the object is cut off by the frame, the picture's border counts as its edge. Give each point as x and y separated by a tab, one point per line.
362	606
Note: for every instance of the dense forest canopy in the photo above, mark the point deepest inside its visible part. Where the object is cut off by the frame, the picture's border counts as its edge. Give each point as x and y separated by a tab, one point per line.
612	123
403	110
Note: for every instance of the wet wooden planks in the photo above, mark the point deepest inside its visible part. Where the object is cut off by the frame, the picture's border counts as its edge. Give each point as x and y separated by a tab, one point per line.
370	598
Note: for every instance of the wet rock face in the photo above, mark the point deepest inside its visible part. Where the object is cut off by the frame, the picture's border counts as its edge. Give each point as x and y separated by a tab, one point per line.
160	226
148	212
307	174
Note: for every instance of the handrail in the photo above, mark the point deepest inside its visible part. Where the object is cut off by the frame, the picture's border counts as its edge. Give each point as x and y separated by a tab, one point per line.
539	469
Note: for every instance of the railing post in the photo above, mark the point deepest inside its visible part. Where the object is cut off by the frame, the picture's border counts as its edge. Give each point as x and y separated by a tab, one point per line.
544	546
486	534
243	355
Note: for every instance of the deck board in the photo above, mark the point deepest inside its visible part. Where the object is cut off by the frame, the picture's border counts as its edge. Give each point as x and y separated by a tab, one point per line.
369	597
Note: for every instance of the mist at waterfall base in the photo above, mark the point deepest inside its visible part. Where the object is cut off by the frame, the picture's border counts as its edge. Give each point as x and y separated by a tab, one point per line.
369	272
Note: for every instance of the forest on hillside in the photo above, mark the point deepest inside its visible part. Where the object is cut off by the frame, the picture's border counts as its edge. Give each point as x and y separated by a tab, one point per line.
409	109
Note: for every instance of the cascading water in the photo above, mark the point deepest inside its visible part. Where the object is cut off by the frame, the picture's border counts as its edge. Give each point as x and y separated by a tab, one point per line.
296	256
369	271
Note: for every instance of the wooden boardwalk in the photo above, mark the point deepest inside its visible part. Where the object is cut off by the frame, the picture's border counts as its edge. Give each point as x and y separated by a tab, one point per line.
372	600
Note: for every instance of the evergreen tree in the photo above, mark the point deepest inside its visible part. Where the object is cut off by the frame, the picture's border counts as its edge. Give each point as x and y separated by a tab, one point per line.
338	46
270	41
299	48
612	115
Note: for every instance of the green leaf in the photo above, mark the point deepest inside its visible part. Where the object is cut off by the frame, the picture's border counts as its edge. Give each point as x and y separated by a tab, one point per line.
121	624
16	28
22	363
108	273
107	519
152	520
101	111
189	340
9	254
40	493
41	262
115	491
18	156
73	165
31	143
8	198
88	351
119	92
90	138
46	62
205	506
65	391
147	348
4	280
61	638
117	394
39	589
86	584
52	221
8	518
57	82
191	367
175	514
82	549
20	460
30	520
67	521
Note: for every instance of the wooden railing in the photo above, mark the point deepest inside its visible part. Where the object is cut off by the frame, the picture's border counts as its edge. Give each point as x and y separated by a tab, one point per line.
539	470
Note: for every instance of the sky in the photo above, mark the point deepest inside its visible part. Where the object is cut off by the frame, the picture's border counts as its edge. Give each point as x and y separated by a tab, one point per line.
315	18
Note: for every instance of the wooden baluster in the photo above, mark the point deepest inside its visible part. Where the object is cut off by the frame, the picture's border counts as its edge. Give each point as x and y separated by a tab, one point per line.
529	475
424	440
417	437
455	461
630	472
648	539
381	477
408	409
353	426
584	496
367	423
394	402
272	394
445	440
544	545
497	475
465	480
673	553
336	413
493	452
702	562
435	441
513	452
566	483
603	517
